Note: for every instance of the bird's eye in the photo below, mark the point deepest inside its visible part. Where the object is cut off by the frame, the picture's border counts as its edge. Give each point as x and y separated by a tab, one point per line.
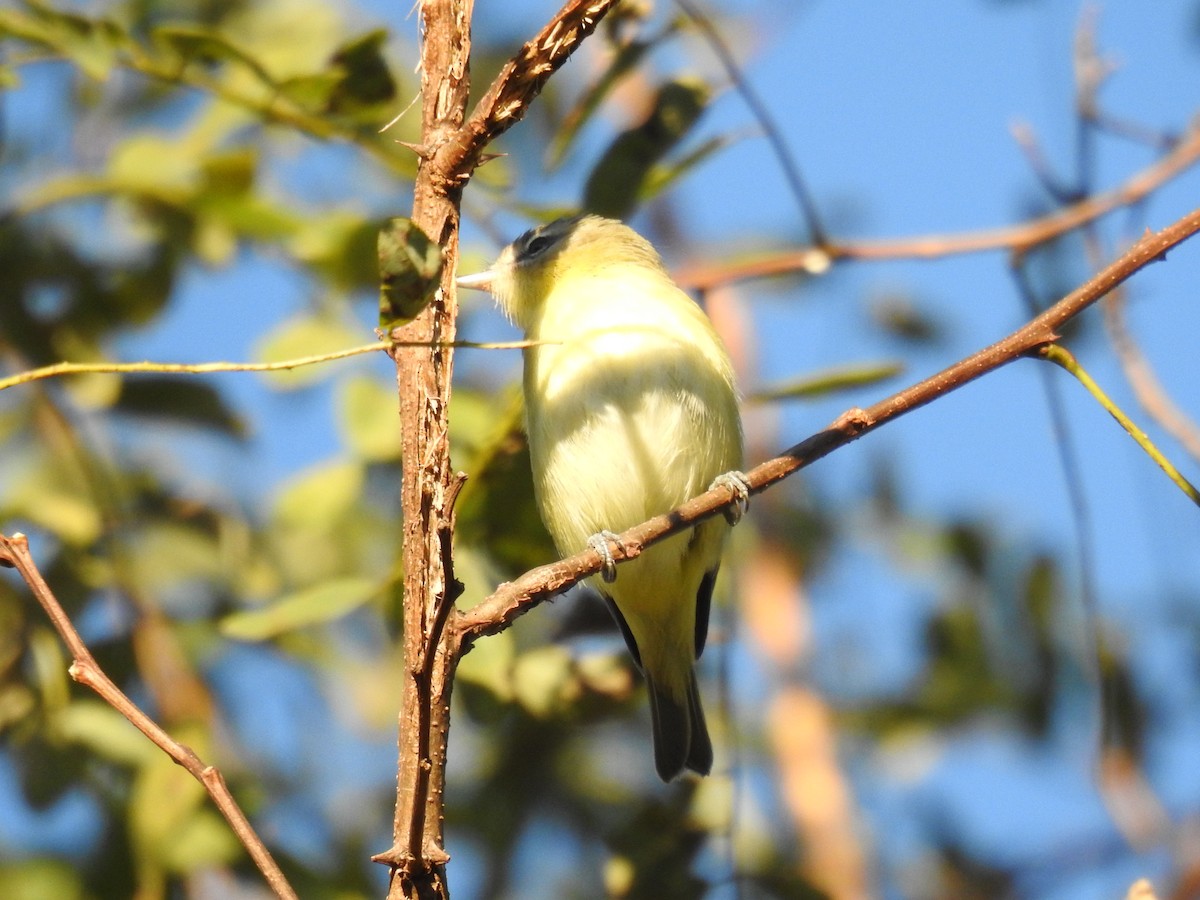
538	244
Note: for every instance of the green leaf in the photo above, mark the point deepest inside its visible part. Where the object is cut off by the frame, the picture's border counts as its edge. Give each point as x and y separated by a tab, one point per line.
179	398
489	665
366	81
246	215
369	419
830	381
63	506
104	731
617	181
543	680
311	92
39	879
624	61
304	336
231	172
204	841
93	44
10	79
166	554
164	799
314	605
150	164
410	268
341	245
663	175
320	495
195	43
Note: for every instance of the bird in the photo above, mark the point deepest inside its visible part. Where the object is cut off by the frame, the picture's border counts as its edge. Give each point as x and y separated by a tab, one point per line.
631	410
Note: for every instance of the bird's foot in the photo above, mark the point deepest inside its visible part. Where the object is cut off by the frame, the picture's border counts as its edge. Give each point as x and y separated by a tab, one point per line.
599	543
739	485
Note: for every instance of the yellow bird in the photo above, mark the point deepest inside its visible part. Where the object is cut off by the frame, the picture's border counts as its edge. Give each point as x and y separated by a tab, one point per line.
631	410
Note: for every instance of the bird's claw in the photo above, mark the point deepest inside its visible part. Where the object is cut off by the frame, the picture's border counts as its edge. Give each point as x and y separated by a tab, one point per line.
739	485
599	543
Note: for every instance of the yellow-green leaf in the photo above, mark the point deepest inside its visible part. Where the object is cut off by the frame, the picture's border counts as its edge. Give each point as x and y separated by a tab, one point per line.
320	495
829	381
311	606
370	423
304	336
103	731
543	680
39	879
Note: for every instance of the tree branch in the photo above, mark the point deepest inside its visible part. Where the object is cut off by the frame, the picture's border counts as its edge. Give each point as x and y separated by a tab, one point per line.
1016	238
519	82
14	553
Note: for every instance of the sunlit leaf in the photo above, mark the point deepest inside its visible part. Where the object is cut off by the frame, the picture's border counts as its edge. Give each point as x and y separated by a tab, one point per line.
543	681
314	605
304	336
247	215
93	44
288	37
341	245
39	879
489	665
198	44
320	495
205	840
63	507
164	798
311	92
830	381
369	419
167	554
104	731
154	164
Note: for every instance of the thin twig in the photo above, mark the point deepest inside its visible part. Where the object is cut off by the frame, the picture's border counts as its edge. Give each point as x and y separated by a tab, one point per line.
14	553
1016	238
758	109
112	368
517	597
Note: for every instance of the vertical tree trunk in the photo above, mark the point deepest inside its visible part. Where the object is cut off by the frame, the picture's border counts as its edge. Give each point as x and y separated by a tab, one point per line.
423	375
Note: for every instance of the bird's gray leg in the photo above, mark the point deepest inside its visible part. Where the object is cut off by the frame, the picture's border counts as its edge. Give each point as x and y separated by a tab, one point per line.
739	485
599	543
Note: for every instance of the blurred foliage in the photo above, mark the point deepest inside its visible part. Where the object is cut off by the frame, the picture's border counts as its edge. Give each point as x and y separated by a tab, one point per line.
258	623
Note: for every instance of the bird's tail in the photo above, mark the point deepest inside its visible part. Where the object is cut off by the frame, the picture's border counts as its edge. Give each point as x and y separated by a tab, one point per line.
681	738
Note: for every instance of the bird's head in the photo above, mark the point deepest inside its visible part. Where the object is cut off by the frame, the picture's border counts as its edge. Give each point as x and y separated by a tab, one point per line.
551	255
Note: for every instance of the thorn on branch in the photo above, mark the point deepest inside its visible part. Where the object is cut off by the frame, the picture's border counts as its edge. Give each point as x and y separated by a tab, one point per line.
419	149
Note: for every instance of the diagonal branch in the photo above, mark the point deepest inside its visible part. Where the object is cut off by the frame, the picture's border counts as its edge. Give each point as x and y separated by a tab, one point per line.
14	553
520	81
515	598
